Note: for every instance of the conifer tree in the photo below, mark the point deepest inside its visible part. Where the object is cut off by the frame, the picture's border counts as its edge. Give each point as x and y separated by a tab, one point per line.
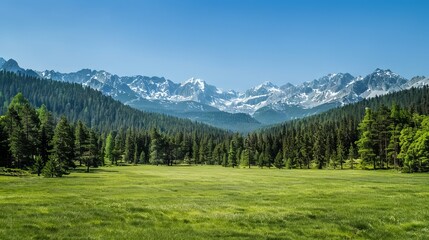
16	138
129	147
23	124
340	154
38	165
225	160
318	149
202	153
63	147
407	153
352	156
118	150
53	168
278	161
30	126
81	141
366	141
261	160
209	152
232	155
245	158
46	132
382	122
155	144
136	154
195	152
142	157
109	149
92	156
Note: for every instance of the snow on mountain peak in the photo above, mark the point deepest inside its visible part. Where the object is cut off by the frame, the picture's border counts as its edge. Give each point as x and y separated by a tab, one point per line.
332	75
382	72
266	84
195	81
333	89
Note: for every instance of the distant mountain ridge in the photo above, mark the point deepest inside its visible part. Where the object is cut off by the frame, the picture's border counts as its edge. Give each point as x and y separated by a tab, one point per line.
263	104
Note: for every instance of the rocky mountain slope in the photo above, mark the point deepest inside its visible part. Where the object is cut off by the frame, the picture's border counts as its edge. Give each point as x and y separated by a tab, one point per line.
263	104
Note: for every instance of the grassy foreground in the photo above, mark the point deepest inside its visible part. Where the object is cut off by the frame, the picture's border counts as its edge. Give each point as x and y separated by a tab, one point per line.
148	202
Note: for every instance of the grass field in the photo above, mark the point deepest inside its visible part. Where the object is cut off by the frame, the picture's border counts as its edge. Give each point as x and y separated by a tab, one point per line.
148	202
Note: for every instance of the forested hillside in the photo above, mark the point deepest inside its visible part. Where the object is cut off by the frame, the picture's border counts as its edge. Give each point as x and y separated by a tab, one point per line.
391	131
331	138
33	139
93	124
90	106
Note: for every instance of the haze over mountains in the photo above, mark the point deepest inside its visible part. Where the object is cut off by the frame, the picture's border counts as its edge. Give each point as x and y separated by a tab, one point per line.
238	111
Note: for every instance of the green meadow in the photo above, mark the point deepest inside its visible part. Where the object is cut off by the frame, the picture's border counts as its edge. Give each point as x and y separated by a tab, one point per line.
211	202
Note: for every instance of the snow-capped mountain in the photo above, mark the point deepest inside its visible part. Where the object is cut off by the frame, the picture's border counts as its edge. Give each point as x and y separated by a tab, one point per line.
416	82
130	88
267	103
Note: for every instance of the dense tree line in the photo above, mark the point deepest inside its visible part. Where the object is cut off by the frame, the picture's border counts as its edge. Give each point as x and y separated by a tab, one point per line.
34	139
363	135
97	111
342	135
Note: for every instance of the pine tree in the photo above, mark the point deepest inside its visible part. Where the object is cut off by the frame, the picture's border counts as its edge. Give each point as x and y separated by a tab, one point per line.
118	150
109	149
63	146
420	145
195	152
278	161
340	154
129	147
23	124
17	141
30	126
155	144
232	155
382	122
407	153
53	168
46	132
261	160
38	165
81	141
142	157
393	147
245	158
202	153
267	157
136	154
92	156
225	160
5	160
366	141
352	156
318	149
209	152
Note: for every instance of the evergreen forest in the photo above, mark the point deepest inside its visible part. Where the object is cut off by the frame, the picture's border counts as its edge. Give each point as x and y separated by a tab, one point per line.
50	127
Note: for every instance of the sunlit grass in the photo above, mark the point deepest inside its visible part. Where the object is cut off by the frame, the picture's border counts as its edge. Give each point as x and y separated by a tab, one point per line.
149	202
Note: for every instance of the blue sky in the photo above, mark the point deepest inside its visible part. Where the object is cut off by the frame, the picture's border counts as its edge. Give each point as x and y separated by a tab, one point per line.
229	43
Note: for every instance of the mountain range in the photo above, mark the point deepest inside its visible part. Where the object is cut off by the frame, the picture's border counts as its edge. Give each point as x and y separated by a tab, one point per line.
264	104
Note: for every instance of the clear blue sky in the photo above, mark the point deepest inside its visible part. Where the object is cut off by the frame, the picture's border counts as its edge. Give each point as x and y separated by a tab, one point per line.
229	43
